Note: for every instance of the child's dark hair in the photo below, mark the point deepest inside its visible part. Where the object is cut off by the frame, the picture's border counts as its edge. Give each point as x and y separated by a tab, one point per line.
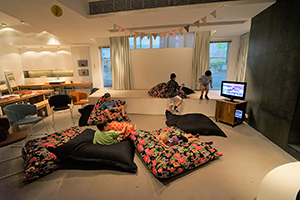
101	124
106	95
173	75
208	73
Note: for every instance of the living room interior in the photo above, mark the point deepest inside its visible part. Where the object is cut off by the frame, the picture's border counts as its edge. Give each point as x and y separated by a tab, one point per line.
48	42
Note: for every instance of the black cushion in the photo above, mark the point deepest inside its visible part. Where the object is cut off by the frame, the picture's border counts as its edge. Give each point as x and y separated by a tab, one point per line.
81	149
188	90
196	124
85	114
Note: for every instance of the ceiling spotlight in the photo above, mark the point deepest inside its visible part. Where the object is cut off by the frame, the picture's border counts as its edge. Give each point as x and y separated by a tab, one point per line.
22	22
3	25
58	47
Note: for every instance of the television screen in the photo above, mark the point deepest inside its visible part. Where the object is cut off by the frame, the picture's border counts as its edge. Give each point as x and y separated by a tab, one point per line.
233	90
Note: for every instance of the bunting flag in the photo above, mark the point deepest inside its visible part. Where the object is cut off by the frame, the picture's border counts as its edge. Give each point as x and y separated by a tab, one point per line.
174	32
120	28
214	14
187	28
137	34
161	35
197	23
167	34
204	20
154	35
180	30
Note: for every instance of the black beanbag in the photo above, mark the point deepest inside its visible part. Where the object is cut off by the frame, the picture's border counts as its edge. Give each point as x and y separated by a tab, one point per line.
82	150
196	124
187	90
85	114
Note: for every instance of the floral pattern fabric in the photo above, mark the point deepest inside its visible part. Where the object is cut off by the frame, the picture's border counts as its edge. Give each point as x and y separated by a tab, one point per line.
98	114
166	163
38	160
160	91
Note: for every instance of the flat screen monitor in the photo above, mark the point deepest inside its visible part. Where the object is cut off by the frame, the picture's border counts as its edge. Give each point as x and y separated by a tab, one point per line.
233	90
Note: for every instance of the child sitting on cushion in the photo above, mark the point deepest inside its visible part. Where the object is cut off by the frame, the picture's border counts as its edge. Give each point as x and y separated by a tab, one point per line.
109	106
105	137
167	142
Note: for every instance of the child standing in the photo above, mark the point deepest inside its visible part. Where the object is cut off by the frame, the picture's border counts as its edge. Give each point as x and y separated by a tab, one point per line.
204	81
172	90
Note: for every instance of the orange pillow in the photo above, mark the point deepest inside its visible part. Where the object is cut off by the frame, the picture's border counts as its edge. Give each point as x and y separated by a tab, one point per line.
118	126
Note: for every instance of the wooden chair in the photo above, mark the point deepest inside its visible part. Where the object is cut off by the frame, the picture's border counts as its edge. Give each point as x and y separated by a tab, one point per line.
79	98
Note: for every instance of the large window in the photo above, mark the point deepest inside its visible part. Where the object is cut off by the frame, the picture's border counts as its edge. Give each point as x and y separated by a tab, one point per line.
106	67
218	58
185	40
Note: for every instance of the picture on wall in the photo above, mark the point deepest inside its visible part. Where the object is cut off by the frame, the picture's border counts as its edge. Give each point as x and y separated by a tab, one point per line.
82	63
83	72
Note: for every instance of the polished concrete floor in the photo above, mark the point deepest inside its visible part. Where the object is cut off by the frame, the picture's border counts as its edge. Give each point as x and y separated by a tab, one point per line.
248	157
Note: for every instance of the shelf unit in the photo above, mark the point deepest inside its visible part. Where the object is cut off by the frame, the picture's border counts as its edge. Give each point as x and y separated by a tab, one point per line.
230	112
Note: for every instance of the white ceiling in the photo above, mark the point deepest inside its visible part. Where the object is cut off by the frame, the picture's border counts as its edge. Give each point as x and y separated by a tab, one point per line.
77	27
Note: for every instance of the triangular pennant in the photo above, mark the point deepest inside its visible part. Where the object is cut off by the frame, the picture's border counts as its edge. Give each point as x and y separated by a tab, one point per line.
142	35
154	35
197	23
203	20
214	14
131	33
174	32
137	34
161	35
187	28
148	35
126	31
120	28
180	31
167	34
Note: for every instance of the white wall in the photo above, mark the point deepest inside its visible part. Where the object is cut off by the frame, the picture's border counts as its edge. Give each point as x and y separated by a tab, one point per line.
81	53
10	60
153	66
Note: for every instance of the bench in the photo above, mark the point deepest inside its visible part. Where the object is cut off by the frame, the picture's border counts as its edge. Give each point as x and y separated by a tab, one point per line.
43	106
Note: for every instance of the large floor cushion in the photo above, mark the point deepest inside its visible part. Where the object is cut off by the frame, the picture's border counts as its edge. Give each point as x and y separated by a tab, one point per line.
160	91
81	149
39	161
98	114
166	163
196	124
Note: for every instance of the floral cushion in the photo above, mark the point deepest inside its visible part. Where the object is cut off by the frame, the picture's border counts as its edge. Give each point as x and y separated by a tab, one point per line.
160	91
118	126
38	160
98	114
166	163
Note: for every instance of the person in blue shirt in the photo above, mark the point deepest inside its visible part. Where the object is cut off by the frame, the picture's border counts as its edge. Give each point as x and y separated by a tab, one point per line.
109	106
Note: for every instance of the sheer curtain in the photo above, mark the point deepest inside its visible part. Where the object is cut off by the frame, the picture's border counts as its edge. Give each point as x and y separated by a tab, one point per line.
242	58
200	62
120	63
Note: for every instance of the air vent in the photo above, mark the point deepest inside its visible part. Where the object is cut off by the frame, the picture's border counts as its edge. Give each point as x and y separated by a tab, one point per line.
108	6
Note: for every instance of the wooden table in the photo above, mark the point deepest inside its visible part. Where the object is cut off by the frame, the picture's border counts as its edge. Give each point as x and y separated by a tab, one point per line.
62	86
33	98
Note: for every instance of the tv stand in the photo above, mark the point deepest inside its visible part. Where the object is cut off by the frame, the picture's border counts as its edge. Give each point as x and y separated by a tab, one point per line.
226	111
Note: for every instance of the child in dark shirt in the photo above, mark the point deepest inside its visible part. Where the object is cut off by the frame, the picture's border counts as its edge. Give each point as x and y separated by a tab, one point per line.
172	90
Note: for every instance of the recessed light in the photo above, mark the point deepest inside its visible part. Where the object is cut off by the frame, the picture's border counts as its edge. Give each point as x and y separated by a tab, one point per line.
3	25
22	22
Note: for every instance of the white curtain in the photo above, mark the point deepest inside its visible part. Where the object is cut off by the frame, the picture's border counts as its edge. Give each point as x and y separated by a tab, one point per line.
120	63
242	58
200	62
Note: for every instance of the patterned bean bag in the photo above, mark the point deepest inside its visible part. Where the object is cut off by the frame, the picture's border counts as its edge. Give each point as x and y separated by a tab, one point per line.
166	163
160	91
38	160
98	114
118	126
